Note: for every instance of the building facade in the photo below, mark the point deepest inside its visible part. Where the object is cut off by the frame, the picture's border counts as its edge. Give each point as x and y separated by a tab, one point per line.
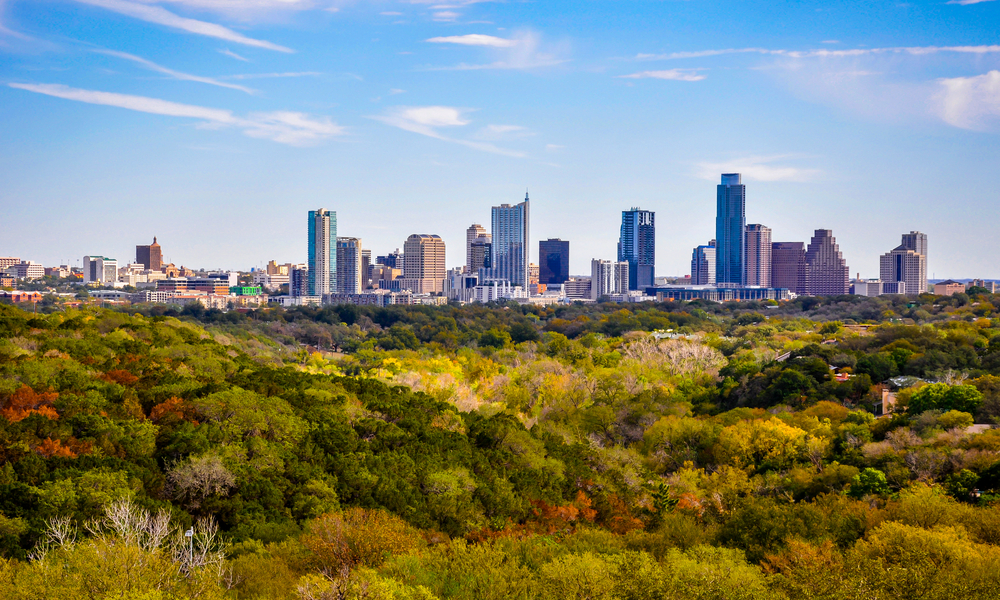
828	272
608	277
100	269
27	269
703	265
637	247
481	254
150	256
730	231
758	256
349	267
553	261
473	233
907	262
510	226
424	264
788	266
322	273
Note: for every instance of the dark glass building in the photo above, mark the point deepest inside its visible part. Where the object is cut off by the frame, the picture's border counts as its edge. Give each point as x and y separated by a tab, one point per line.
637	247
730	232
553	261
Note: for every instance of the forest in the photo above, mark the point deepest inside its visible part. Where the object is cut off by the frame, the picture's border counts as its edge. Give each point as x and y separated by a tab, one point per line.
611	451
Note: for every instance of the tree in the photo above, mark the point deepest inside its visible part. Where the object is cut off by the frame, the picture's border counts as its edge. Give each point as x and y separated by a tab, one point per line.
941	396
870	482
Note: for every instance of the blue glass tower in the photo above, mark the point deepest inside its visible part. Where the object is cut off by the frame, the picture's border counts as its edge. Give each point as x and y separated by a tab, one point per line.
322	252
637	247
730	232
510	242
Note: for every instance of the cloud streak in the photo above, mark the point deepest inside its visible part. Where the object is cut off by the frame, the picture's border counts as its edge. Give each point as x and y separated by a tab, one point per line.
970	102
292	128
162	16
823	53
426	120
672	74
756	168
172	73
523	51
474	39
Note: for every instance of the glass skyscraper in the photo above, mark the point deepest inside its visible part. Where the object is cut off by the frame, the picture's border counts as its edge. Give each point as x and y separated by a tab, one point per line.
510	242
637	247
730	232
553	261
322	252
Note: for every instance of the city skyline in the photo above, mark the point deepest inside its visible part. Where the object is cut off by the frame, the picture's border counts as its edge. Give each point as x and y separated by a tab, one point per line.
123	120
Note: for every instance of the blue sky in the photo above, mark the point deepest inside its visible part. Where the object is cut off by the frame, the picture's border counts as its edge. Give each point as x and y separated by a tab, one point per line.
217	124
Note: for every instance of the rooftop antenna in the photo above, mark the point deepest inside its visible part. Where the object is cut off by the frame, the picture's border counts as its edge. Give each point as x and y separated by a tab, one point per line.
525	194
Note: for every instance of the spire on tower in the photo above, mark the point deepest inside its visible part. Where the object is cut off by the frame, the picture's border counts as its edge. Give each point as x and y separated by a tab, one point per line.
525	194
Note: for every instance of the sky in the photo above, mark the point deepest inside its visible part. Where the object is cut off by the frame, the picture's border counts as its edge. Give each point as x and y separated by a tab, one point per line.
216	125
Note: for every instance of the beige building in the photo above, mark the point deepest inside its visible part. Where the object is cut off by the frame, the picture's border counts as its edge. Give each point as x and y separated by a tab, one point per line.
907	262
473	233
758	256
349	276
948	288
424	264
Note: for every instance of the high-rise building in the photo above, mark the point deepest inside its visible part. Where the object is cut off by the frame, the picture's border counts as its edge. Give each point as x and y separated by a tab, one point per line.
828	272
758	256
366	269
349	265
393	259
322	252
788	266
607	277
481	254
907	262
510	242
473	233
703	265
424	264
100	269
730	231
298	280
553	261
150	256
637	247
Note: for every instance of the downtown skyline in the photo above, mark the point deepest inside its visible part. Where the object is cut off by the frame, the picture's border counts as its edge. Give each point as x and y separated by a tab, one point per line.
418	122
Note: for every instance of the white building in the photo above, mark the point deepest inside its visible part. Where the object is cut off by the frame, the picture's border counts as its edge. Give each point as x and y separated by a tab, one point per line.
607	277
349	275
100	269
867	287
495	290
26	270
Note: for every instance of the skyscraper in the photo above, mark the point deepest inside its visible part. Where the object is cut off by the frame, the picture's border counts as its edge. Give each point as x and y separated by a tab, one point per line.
322	252
510	242
474	232
424	264
730	231
703	265
788	266
637	247
393	259
907	262
553	261
349	265
758	256
366	269
607	277
150	256
828	272
481	256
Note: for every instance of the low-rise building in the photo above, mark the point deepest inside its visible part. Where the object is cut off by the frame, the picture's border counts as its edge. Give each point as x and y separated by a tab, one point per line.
26	270
949	288
867	287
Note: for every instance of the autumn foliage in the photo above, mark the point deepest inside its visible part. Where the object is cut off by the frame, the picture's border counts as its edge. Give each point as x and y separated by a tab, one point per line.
26	401
358	537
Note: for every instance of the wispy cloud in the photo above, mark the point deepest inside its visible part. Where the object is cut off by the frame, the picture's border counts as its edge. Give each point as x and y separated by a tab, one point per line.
970	102
967	2
446	16
673	74
821	53
274	75
232	54
293	128
162	16
756	168
427	120
172	73
475	39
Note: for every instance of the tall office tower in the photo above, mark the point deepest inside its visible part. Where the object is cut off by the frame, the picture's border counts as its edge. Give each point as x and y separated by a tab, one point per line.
473	233
788	266
907	262
553	261
510	242
828	272
423	264
637	247
348	265
608	277
703	265
322	252
298	280
393	259
150	256
481	254
100	269
758	256
366	269
730	231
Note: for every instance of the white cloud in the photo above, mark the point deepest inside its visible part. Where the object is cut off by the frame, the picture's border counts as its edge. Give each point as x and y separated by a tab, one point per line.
474	39
446	16
391	13
756	168
524	51
274	75
822	53
970	102
830	42
161	16
175	74
967	2
503	132
673	74
426	120
296	129
232	54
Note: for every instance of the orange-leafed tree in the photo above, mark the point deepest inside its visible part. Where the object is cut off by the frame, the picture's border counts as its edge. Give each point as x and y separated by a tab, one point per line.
26	401
358	537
